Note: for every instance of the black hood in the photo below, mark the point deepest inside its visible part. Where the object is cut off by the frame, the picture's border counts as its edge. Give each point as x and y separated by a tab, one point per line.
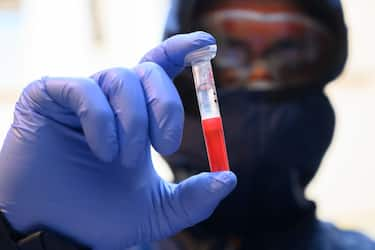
275	141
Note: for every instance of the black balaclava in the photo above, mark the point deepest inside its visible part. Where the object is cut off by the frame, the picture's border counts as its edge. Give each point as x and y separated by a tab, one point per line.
275	140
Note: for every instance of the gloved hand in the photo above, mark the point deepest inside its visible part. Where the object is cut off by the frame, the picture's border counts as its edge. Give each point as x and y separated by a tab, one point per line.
77	157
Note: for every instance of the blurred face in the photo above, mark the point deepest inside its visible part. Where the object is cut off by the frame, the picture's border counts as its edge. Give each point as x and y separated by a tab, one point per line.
263	46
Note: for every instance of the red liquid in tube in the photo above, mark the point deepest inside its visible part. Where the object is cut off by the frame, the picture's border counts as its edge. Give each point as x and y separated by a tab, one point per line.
215	144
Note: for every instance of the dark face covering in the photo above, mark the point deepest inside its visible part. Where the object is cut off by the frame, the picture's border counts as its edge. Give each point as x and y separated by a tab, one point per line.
278	123
275	145
277	128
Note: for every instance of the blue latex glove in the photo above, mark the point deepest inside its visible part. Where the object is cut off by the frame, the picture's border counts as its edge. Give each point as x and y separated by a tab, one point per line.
77	157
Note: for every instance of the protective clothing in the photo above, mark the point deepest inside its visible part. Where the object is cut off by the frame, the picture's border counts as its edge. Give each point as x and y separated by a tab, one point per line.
11	240
276	141
77	161
274	164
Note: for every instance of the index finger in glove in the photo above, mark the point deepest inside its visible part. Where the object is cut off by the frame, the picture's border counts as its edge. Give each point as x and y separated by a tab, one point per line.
165	110
170	54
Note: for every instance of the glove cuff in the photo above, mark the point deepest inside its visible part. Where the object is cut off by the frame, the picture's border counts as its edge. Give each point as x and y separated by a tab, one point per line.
41	240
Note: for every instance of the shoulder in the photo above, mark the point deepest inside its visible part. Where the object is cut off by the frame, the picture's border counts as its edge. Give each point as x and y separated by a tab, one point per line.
330	237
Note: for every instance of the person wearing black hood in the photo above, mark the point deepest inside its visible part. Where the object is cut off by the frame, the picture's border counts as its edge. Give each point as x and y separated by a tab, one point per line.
274	59
76	169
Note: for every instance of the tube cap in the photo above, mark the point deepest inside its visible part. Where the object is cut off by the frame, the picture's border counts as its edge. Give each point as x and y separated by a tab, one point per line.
203	54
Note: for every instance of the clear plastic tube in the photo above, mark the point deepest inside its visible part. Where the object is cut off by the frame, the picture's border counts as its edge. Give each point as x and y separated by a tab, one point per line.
200	61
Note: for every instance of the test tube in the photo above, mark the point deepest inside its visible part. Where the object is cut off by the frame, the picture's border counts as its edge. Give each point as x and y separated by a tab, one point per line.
212	126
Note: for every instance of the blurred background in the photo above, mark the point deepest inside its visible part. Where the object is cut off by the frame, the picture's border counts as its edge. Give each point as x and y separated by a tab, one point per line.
80	37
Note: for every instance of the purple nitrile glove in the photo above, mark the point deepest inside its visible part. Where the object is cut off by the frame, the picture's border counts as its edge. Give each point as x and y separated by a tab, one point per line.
77	157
